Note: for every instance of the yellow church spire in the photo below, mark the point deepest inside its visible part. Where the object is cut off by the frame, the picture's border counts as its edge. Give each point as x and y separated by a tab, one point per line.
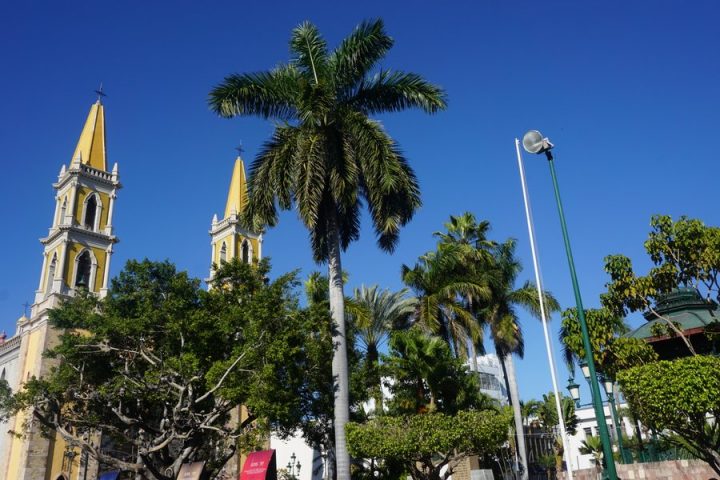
90	148
237	195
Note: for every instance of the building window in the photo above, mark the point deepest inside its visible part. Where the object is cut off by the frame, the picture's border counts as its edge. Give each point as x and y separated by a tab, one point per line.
223	252
588	432
84	267
90	212
51	273
2	375
245	252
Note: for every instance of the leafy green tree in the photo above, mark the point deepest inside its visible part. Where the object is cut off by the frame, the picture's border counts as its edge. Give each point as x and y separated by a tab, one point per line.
680	396
158	366
375	314
686	253
327	157
426	444
433	397
612	352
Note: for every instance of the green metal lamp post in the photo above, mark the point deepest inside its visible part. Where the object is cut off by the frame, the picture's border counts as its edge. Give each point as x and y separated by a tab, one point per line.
534	142
616	418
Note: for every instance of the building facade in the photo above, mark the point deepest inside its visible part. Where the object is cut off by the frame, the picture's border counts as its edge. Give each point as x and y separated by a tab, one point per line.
76	255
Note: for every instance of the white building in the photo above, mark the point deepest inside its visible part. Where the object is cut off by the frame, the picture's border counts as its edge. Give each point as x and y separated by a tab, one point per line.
587	427
491	377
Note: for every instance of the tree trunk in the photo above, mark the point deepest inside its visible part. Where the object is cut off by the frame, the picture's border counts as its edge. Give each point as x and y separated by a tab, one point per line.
339	363
509	370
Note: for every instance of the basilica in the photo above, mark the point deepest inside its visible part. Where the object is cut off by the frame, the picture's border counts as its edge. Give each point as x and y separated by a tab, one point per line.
77	253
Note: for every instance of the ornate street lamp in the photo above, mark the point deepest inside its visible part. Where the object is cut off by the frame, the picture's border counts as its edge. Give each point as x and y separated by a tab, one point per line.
609	384
574	390
534	142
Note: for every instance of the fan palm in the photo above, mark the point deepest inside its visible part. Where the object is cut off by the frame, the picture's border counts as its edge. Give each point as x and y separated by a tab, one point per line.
375	314
327	157
500	314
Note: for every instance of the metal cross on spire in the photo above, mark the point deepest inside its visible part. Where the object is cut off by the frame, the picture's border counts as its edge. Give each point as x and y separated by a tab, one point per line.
25	308
240	149
100	92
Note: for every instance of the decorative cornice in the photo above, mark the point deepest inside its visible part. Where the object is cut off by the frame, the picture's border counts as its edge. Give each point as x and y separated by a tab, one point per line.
60	229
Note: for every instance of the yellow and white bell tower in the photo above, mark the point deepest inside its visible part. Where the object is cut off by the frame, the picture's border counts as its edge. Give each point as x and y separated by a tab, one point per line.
80	242
228	237
76	255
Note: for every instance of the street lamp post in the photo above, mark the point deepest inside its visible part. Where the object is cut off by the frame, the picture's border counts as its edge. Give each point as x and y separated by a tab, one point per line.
616	418
534	142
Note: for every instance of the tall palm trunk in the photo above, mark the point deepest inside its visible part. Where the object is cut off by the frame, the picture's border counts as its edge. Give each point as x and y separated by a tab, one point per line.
508	367
340	362
373	357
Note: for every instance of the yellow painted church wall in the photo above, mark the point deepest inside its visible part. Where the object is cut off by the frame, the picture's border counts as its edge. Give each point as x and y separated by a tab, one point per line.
82	194
73	251
35	344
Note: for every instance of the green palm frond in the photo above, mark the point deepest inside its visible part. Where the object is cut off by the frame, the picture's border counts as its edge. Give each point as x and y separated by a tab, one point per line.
309	50
270	94
395	91
359	52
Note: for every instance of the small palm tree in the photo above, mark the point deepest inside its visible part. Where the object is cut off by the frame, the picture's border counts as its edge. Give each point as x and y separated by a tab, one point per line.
593	446
375	314
328	158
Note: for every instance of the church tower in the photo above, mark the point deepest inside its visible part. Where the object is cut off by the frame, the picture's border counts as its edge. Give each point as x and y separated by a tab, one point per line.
76	255
79	245
228	238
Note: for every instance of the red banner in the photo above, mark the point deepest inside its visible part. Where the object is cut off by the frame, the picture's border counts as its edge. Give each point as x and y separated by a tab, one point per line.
260	466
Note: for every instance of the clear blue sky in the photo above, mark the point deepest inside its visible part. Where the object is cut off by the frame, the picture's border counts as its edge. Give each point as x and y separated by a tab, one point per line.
628	91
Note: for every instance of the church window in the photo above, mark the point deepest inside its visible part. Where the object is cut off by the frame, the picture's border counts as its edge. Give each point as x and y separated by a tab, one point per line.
84	267
51	272
90	212
223	252
245	252
2	376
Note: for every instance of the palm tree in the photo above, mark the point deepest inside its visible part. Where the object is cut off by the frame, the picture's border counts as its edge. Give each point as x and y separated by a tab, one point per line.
440	282
327	157
467	239
375	314
500	314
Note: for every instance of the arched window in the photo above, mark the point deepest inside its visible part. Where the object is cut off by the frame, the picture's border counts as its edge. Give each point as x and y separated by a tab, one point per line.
61	220
51	273
223	252
90	212
245	252
84	268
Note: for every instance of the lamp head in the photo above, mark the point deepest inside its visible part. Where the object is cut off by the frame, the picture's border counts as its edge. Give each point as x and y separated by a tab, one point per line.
574	390
608	386
534	142
585	370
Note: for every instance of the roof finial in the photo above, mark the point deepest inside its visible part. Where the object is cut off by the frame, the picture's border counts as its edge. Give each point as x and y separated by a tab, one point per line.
100	92
25	308
240	149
